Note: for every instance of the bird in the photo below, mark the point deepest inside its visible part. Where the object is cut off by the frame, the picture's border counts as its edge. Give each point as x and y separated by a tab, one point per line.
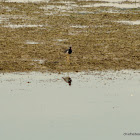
68	51
67	80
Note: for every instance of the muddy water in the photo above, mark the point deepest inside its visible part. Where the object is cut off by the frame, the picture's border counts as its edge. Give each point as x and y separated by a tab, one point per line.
98	105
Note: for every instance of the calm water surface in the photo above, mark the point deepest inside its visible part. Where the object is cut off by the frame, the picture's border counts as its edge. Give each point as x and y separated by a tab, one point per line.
98	105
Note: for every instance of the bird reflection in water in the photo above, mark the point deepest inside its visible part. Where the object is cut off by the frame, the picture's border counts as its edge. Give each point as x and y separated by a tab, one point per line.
67	80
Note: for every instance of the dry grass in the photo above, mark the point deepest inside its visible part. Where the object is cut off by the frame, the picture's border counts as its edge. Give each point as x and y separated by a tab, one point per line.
103	44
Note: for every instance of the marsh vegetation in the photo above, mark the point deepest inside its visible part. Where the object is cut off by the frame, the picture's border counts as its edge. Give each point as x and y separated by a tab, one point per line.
98	40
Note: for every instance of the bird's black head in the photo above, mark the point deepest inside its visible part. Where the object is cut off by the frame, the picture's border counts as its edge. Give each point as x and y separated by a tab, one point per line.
70	47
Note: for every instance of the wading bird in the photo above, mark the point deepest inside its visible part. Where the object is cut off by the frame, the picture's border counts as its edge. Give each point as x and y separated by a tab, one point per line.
69	51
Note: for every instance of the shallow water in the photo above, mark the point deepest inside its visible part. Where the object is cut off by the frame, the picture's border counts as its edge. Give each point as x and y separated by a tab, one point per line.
71	5
118	5
57	8
79	26
112	0
68	2
98	105
22	26
25	1
137	22
40	61
31	42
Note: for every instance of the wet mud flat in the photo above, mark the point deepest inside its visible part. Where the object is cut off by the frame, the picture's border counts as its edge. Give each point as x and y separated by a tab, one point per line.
33	36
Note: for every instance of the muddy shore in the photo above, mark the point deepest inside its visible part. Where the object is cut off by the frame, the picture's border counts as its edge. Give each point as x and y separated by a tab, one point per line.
33	37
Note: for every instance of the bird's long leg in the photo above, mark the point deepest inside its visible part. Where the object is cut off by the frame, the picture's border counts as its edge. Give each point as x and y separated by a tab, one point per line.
68	63
68	59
